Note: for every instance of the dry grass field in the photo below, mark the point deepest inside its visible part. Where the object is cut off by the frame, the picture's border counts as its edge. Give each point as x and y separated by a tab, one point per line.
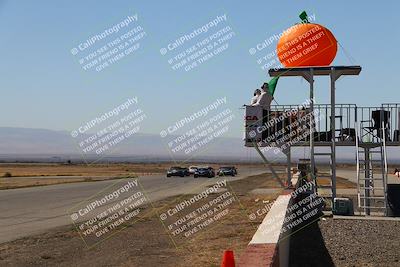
49	169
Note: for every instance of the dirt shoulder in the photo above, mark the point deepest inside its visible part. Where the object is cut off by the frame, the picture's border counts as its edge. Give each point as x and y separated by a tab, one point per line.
341	183
22	182
146	242
54	169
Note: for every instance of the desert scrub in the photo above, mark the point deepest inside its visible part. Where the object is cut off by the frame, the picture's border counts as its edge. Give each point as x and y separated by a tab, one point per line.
7	174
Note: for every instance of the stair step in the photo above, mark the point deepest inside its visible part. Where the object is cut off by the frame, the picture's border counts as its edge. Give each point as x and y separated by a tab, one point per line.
371	207
322	154
324	176
370	179
373	188
325	186
372	197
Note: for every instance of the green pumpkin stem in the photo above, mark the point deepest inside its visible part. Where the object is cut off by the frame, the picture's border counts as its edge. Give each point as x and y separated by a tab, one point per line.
304	18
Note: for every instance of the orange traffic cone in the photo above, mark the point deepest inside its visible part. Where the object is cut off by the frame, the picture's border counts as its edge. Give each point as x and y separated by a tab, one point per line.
228	260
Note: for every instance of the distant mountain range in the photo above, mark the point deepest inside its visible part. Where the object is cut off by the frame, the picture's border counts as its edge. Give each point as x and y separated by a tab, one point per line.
27	144
41	143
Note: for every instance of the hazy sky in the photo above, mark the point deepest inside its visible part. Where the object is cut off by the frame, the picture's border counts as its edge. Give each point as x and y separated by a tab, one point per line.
43	85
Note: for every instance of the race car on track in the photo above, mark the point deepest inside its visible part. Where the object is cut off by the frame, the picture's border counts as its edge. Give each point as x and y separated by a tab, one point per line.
225	171
205	172
178	171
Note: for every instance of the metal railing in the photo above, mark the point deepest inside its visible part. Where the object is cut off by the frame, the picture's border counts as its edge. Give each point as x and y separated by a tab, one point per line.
394	109
379	122
348	118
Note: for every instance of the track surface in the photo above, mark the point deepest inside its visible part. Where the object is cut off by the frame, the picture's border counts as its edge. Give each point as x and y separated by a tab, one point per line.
28	211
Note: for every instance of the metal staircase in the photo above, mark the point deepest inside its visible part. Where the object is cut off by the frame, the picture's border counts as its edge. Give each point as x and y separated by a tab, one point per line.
371	172
325	191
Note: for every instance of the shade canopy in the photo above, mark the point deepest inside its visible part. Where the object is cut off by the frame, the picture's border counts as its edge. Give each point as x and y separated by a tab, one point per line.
317	71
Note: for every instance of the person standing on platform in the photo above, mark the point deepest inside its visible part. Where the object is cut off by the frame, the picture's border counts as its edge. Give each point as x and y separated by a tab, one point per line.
254	99
265	98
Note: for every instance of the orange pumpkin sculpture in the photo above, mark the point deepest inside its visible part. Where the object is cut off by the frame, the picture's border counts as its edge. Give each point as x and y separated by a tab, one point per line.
307	44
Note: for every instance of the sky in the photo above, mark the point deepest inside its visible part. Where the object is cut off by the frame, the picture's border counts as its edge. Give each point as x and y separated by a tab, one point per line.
43	85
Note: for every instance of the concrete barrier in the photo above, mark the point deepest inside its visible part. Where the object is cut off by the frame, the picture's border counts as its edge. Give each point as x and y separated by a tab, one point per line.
270	247
296	207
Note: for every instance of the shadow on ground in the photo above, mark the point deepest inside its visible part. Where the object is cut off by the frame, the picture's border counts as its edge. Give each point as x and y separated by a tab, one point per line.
307	248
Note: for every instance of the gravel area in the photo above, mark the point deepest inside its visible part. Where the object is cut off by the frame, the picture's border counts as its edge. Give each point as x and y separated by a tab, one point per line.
347	243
